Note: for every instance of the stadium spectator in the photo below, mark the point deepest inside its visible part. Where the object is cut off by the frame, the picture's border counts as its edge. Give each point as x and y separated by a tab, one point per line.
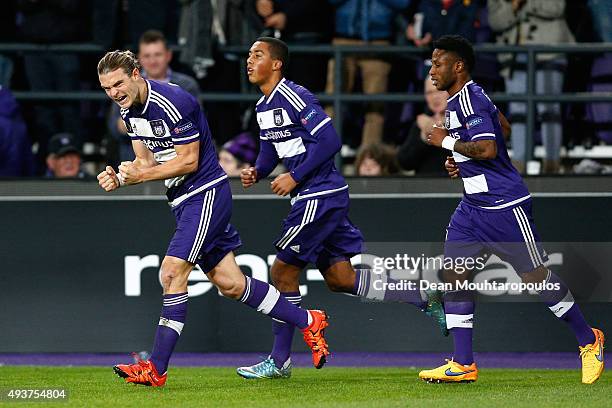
436	18
53	22
601	11
154	56
523	22
376	159
64	158
300	22
237	154
415	154
365	23
16	158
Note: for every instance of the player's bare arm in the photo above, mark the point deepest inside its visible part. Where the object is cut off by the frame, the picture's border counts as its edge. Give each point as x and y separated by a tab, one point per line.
480	149
505	125
185	162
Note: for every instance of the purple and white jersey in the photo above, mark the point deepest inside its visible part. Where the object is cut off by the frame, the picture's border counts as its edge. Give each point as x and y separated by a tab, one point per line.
289	120
487	184
171	116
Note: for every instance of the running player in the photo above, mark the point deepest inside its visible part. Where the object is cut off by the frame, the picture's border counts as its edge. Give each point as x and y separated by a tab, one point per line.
494	215
296	130
172	142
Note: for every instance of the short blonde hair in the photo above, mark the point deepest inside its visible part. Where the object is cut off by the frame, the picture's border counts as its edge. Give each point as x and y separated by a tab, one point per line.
114	60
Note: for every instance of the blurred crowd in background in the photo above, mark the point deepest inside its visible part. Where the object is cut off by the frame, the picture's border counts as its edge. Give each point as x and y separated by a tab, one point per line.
185	42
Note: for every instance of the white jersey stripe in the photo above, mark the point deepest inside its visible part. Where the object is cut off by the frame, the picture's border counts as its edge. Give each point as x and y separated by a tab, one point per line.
173	118
170	104
180	139
294	95
462	105
289	99
466	98
320	125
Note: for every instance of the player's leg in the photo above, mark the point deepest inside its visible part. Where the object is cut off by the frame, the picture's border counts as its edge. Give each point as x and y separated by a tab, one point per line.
459	305
174	274
528	259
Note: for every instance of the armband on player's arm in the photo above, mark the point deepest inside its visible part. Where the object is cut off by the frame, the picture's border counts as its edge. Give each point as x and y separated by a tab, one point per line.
328	144
480	149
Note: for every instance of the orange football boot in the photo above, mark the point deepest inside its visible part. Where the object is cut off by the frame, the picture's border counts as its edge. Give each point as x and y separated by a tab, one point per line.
314	336
142	372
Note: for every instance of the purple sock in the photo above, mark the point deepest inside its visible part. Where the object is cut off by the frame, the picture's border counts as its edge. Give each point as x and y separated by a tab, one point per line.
459	307
268	300
561	302
169	329
378	286
283	333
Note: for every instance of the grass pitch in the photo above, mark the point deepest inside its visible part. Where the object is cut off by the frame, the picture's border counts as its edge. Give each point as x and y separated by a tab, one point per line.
329	387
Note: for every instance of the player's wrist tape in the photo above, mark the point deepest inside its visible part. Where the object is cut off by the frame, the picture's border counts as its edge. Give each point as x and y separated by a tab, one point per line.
121	180
448	143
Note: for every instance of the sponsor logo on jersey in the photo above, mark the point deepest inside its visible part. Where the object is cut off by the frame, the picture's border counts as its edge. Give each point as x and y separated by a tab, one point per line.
183	128
153	144
276	134
308	116
278	117
473	122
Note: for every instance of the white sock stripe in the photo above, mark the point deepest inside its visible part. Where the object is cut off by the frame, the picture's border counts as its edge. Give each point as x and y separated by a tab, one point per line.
293	103
309	216
364	282
376	294
530	233
178	299
171	324
519	220
564	305
178	302
269	301
205	201
185	295
170	105
290	92
159	103
457	320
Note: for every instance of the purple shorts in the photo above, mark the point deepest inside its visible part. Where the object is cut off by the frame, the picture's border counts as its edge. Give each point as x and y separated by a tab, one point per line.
319	231
509	234
203	233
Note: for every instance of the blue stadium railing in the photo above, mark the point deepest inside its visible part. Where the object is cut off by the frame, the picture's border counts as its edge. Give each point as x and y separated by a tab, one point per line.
338	98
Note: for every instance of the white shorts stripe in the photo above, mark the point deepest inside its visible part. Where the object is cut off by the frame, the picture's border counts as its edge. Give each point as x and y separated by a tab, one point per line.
530	234
457	320
295	227
172	324
268	302
209	199
308	218
521	224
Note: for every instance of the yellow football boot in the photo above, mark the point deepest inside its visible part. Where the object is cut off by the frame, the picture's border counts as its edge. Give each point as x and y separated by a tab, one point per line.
451	372
592	358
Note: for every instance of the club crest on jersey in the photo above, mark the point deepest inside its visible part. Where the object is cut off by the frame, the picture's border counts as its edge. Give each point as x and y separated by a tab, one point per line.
447	120
278	117
157	127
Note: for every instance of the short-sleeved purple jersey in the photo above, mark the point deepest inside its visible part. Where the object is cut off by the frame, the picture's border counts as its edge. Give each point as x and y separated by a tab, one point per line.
290	119
171	116
488	184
